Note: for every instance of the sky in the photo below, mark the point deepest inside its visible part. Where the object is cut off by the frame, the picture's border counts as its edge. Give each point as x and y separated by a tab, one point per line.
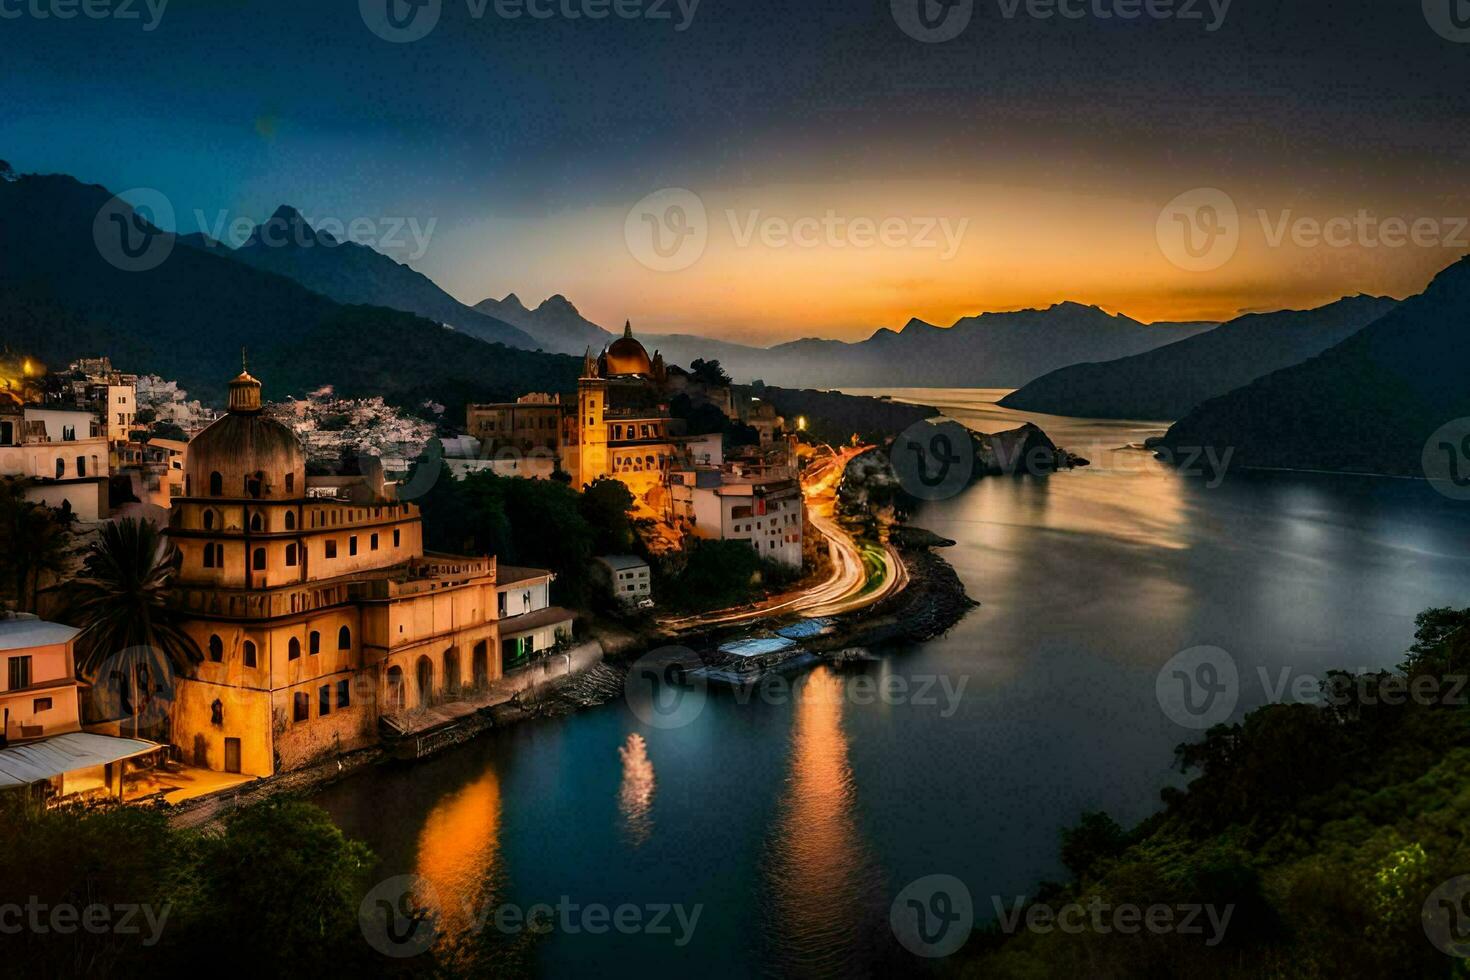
760	171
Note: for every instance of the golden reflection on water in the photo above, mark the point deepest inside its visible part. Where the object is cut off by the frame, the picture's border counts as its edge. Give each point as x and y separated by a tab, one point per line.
635	797
819	870
458	852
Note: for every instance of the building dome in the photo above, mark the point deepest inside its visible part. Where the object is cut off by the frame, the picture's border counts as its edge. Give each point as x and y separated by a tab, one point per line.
625	356
244	455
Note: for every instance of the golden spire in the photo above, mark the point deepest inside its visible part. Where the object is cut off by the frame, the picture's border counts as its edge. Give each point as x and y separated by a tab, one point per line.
244	390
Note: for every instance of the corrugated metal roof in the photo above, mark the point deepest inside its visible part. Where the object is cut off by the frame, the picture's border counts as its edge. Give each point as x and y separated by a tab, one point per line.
21	765
16	634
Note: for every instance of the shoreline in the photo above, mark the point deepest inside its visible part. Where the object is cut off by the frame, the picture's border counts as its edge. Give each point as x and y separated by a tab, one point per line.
932	603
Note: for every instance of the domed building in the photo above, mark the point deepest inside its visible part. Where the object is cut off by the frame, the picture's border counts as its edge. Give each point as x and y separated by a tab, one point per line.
320	615
623	427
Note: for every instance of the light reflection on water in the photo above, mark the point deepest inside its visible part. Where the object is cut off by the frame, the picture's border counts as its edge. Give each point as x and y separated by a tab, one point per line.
792	823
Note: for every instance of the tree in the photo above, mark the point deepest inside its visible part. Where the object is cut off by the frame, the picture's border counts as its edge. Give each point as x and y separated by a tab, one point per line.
33	540
1096	838
605	505
121	604
709	372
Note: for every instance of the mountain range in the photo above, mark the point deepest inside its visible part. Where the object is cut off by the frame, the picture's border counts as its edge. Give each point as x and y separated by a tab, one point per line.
356	274
188	317
1168	381
1367	404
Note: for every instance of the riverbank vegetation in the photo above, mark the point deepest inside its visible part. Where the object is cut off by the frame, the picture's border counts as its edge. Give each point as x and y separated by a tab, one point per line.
1326	825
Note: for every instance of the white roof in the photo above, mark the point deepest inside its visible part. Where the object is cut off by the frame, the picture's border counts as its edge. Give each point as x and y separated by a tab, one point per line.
621	563
17	634
21	765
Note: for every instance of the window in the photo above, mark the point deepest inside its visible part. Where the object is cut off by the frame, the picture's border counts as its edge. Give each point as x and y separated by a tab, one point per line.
68	433
352	545
20	673
248	653
216	649
60	467
216	485
293	649
290	520
373	543
290	556
331	548
258	561
302	707
324	700
314	643
257	523
81	466
209	561
344	639
344	694
209	520
396	537
290	482
39	705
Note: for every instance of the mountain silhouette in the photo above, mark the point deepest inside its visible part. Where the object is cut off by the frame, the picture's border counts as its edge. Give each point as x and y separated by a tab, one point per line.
1368	404
1167	382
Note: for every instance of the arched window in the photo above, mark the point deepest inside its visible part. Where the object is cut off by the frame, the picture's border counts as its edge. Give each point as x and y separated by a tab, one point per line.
216	648
257	523
290	520
293	649
81	466
209	520
255	485
248	652
216	485
258	560
209	556
396	691
60	467
290	556
344	639
315	642
290	482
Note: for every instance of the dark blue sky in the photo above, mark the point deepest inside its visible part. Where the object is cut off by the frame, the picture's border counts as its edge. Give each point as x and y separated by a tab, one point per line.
239	105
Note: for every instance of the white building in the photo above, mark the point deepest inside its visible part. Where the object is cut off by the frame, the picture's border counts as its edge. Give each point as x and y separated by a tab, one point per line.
121	411
760	505
61	453
529	623
627	577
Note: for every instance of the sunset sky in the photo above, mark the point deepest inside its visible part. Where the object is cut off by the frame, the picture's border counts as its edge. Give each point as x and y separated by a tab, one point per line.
1052	144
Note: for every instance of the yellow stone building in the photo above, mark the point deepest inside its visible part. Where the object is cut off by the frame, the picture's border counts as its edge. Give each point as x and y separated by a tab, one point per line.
623	427
320	615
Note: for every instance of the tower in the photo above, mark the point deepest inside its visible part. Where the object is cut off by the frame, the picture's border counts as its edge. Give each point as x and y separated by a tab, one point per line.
591	460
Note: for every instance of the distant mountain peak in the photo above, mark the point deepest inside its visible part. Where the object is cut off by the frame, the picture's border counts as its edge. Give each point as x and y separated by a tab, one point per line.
287	226
512	300
557	304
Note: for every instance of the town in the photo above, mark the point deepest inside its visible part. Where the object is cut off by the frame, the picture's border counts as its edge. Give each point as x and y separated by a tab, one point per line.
301	609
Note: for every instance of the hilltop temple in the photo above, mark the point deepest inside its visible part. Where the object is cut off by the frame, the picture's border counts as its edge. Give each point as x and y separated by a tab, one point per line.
320	616
623	427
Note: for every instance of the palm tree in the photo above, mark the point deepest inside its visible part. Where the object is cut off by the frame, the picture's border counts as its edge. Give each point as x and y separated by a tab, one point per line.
33	541
130	634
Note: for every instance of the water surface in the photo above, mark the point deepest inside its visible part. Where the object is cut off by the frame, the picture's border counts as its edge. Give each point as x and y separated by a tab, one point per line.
794	821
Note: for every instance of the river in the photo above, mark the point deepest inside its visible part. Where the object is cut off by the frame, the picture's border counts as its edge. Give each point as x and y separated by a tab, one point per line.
791	822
